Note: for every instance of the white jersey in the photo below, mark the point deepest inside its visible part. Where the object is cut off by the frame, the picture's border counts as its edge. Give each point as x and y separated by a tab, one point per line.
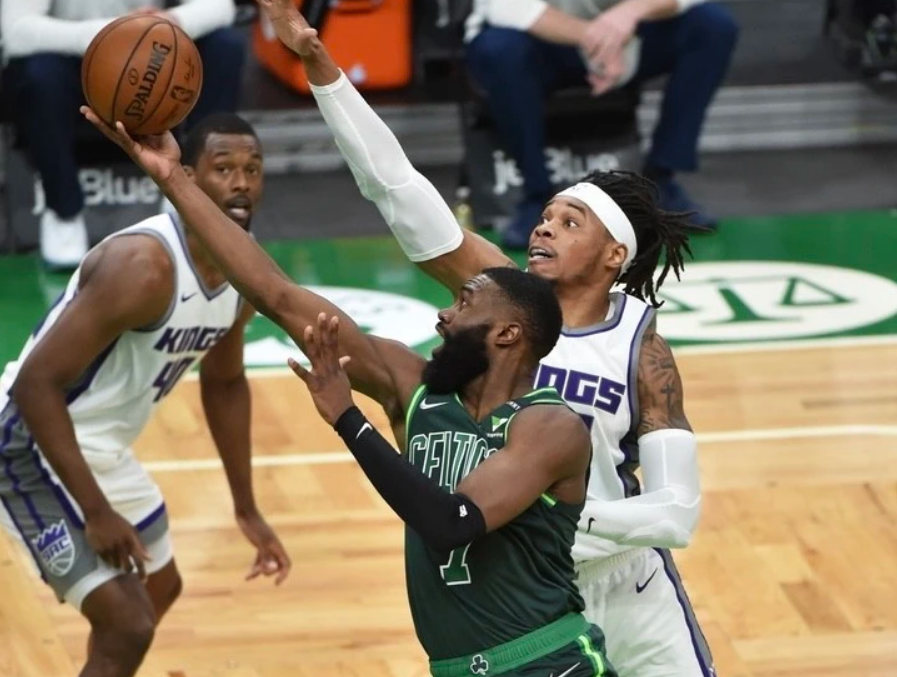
111	402
595	369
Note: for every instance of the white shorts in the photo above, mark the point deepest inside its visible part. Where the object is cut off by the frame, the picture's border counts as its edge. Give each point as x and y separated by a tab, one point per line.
36	508
637	599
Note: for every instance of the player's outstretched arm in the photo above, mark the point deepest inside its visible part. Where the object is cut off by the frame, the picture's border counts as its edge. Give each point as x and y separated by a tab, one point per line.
385	370
548	450
419	218
125	284
667	511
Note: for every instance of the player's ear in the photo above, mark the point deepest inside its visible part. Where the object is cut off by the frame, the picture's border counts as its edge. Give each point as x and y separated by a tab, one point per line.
508	334
615	255
189	171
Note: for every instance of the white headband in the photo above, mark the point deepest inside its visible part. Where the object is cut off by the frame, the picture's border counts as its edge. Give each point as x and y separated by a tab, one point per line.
611	216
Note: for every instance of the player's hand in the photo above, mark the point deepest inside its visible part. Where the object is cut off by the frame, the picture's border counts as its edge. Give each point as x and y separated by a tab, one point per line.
158	155
116	541
271	557
291	27
604	76
327	381
609	32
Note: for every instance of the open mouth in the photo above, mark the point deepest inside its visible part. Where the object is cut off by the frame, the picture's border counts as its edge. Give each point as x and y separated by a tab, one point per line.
538	253
239	209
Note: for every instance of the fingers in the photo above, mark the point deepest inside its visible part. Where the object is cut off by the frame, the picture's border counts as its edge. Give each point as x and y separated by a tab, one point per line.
283	562
343	361
312	349
298	369
329	339
115	133
256	569
272	560
141	568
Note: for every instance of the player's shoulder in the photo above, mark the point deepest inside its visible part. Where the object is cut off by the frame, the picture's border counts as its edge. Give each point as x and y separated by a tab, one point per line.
136	261
548	414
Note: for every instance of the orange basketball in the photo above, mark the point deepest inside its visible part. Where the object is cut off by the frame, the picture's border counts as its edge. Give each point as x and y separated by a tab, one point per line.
143	71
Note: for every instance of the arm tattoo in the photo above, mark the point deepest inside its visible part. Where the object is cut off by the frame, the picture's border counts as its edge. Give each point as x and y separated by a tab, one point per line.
659	386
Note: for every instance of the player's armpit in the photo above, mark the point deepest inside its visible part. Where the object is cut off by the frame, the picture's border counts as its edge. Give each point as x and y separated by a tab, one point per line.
548	451
660	393
474	255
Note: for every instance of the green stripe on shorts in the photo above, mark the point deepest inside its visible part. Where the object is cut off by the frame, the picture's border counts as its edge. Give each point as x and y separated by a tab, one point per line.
597	661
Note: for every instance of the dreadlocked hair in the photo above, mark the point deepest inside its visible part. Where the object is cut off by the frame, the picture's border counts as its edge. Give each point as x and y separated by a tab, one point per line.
656	231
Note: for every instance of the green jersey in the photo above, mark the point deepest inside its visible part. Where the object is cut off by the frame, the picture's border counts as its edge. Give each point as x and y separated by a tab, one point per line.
507	583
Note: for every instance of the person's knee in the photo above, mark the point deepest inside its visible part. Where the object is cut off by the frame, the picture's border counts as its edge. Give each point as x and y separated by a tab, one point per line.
168	594
499	49
124	638
122	620
716	24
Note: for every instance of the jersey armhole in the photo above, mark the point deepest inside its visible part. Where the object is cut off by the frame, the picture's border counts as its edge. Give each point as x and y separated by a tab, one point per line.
546	498
412	407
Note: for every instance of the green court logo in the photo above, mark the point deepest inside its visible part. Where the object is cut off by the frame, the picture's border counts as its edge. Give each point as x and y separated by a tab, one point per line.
763	300
391	316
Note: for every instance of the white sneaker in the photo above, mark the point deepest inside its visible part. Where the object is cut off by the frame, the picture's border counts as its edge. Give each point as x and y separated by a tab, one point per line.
63	243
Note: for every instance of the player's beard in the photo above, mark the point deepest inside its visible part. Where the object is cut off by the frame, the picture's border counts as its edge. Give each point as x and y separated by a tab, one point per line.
461	359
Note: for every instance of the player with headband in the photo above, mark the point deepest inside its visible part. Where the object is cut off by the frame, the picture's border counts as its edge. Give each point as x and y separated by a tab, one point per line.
610	364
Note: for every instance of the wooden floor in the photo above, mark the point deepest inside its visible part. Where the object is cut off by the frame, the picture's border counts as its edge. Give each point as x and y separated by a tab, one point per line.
793	571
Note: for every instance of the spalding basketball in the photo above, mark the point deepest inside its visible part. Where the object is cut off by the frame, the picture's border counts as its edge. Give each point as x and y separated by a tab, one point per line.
143	71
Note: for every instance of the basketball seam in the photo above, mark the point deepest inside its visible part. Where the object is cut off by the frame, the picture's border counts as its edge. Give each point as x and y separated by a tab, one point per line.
103	34
124	74
174	68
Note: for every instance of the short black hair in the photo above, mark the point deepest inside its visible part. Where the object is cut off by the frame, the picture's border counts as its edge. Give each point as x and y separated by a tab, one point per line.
538	305
657	231
217	123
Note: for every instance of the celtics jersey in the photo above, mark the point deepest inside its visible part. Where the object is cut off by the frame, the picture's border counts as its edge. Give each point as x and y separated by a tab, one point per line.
507	583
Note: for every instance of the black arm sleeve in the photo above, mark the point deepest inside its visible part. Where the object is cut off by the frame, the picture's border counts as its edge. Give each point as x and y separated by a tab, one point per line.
445	521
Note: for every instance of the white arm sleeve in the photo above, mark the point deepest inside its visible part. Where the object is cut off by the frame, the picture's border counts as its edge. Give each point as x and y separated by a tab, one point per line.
28	29
201	17
666	514
412	207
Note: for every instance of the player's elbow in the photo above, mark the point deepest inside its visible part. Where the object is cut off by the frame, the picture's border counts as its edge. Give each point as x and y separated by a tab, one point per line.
686	525
445	542
30	386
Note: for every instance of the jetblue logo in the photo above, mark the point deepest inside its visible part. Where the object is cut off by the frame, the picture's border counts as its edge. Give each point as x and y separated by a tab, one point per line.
56	549
581	388
194	339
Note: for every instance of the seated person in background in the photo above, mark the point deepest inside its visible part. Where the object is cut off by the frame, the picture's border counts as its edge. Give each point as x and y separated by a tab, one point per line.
519	51
44	42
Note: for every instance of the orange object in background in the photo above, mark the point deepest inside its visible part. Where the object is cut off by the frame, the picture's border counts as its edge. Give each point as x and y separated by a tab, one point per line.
370	40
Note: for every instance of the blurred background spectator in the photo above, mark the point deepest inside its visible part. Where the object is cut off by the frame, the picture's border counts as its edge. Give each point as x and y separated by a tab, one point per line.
44	41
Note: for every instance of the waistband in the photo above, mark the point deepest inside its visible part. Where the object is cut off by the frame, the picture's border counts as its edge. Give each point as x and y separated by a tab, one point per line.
597	568
515	653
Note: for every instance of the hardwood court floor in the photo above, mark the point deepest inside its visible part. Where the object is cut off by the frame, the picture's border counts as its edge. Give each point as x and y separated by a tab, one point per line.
792	572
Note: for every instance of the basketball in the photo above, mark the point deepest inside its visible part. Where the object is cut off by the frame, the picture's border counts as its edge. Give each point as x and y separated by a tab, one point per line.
143	71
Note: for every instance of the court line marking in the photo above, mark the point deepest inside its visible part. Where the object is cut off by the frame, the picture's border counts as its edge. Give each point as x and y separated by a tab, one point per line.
709	349
328	458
